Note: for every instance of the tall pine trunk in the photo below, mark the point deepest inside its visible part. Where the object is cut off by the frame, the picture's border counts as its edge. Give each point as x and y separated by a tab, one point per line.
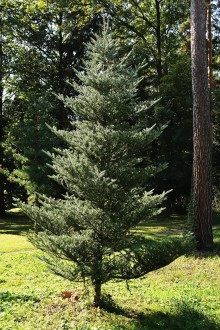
202	128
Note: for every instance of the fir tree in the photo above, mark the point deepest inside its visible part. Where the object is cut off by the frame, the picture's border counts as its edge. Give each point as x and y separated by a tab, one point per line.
88	234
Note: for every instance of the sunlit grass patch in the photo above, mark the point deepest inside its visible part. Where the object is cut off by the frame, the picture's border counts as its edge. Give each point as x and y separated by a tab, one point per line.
182	295
14	243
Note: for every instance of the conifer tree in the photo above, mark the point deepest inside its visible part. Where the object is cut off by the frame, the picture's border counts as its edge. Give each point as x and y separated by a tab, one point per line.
105	170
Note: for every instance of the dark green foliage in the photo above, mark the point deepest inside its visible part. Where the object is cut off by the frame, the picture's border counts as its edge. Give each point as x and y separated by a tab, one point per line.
106	178
42	43
26	137
174	146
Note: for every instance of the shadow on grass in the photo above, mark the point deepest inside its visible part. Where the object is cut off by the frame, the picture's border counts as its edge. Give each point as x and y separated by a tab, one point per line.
15	298
188	320
15	225
182	317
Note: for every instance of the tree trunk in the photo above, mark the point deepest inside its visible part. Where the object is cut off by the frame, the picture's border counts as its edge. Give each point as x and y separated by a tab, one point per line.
97	278
202	128
97	294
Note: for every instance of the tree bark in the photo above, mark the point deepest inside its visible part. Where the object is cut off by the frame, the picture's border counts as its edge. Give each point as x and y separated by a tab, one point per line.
97	295
97	278
202	128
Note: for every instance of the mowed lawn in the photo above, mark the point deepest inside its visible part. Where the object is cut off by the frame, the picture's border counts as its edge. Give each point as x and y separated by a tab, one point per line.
183	295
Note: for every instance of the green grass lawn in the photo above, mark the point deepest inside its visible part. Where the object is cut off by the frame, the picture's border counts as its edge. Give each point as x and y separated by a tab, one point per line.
183	295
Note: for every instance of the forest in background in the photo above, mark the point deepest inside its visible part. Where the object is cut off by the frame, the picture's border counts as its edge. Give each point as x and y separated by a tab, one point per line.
42	43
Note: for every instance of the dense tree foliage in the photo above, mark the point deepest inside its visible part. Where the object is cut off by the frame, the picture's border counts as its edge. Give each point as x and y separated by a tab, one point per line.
49	39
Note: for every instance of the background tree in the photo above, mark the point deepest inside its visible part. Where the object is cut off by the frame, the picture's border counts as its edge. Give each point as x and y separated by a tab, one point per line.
105	175
174	146
7	50
215	97
51	36
2	200
202	128
151	26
